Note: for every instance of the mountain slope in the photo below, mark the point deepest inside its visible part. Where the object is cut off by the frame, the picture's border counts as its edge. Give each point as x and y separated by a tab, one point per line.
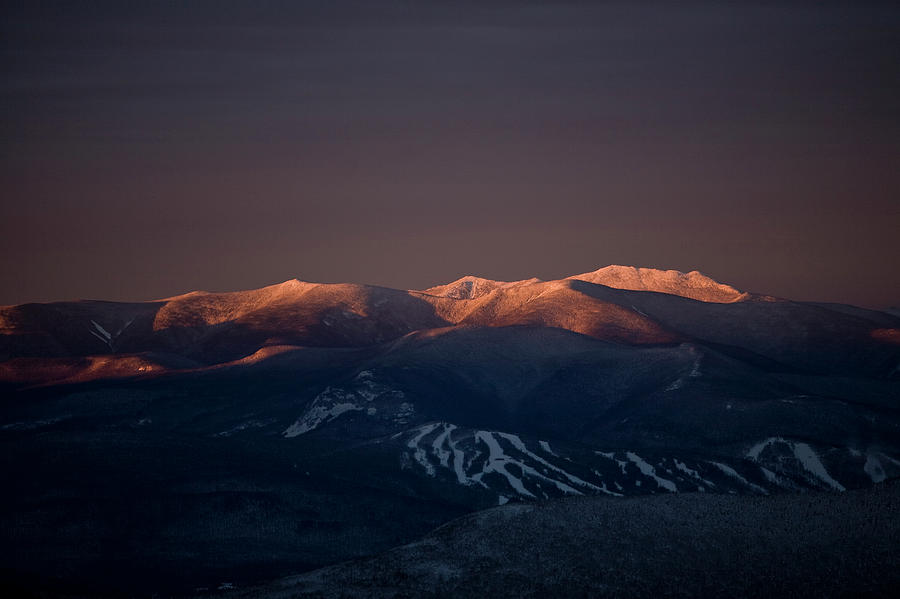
205	329
261	433
684	546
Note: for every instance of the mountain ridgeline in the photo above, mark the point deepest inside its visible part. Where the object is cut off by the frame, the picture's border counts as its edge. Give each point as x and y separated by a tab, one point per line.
623	305
261	433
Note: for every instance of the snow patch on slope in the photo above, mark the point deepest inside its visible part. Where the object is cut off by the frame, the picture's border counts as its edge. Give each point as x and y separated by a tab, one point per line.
649	471
444	446
418	452
518	444
734	474
109	339
546	447
612	456
805	456
681	466
334	401
875	468
811	462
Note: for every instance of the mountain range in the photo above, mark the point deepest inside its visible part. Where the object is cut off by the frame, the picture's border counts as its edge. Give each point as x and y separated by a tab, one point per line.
229	438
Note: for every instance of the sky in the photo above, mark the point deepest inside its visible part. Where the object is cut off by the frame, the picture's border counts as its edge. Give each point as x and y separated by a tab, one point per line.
151	149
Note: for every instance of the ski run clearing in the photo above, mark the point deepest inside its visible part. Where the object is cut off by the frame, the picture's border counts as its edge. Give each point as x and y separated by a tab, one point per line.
504	463
508	465
512	467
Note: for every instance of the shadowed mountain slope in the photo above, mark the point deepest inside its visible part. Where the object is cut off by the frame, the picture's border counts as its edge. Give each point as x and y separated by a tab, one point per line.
681	546
261	433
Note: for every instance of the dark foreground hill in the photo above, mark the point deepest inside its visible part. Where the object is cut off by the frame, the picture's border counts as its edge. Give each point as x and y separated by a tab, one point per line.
688	545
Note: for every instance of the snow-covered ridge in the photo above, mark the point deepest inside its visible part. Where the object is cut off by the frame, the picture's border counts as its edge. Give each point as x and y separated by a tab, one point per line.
335	401
694	284
471	287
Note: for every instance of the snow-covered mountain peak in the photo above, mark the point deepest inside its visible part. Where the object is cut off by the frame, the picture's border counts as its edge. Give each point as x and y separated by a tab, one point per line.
693	284
471	287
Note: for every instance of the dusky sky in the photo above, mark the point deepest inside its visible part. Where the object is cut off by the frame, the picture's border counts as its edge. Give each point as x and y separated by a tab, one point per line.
154	148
